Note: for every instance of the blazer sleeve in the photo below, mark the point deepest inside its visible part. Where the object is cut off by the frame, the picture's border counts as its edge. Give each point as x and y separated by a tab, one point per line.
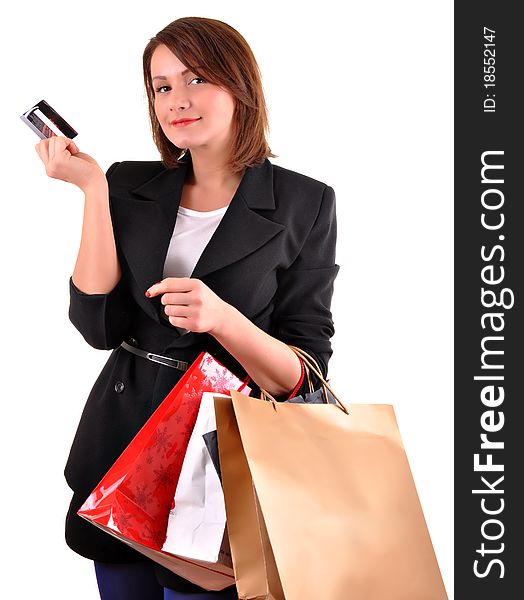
302	314
102	319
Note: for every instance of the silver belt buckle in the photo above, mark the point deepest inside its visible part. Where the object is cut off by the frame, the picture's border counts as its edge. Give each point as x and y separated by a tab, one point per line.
158	358
165	360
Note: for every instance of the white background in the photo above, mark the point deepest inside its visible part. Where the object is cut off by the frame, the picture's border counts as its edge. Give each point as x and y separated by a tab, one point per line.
361	100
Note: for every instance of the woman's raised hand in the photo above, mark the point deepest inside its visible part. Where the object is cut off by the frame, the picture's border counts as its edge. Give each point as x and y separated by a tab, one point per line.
63	160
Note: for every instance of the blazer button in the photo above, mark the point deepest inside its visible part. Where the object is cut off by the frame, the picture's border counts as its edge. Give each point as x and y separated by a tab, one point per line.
133	342
119	387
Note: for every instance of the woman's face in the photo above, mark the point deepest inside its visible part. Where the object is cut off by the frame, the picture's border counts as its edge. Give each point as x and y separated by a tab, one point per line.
183	95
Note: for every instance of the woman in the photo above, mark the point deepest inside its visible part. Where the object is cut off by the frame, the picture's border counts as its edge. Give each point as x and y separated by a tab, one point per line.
212	248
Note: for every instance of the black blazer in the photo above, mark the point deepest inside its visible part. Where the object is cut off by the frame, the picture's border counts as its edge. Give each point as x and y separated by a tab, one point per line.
272	257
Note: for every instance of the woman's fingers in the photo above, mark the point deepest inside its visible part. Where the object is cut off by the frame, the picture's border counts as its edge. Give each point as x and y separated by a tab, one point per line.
70	146
73	147
52	148
45	151
57	152
180	298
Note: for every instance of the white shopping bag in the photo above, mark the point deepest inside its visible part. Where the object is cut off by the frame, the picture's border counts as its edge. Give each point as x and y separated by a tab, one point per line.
197	524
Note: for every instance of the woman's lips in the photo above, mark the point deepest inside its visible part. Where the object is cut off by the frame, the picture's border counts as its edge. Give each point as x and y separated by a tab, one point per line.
184	123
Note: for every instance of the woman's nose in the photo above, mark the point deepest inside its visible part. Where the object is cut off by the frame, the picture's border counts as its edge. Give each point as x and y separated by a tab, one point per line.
179	103
179	98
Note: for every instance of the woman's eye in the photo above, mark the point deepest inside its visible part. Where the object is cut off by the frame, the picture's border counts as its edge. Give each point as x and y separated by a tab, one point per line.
157	90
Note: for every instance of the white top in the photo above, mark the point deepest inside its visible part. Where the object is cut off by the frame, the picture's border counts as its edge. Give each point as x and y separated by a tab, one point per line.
193	230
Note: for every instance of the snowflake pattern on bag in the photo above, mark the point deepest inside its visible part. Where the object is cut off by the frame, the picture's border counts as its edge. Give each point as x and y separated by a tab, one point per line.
162	440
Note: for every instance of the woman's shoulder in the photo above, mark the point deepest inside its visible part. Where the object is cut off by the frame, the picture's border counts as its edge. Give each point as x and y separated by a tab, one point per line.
285	176
134	172
294	191
286	173
143	179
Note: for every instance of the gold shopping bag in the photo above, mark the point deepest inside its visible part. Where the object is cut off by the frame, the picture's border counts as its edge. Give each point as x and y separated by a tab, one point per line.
332	485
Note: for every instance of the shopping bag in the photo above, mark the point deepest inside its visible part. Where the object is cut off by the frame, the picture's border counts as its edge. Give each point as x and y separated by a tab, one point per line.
197	523
338	512
133	500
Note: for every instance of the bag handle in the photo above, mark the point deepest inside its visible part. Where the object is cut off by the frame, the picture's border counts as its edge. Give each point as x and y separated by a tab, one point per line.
309	364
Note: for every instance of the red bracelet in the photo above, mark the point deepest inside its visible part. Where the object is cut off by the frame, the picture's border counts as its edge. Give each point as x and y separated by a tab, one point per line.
300	381
247	379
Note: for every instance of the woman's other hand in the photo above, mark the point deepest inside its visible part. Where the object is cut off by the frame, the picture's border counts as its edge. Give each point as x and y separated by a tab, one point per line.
190	304
63	160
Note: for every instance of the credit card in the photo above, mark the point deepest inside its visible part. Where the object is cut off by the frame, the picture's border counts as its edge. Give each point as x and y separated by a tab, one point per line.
46	122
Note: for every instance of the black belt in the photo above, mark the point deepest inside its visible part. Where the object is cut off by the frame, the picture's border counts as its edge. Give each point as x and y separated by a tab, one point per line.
163	360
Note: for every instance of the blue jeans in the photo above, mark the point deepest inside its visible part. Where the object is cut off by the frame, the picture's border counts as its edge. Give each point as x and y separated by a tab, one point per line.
137	581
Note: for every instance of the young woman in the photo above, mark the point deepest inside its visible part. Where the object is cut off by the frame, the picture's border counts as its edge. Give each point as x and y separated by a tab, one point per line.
211	248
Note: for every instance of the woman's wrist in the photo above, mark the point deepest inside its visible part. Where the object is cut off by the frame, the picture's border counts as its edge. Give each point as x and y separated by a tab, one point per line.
226	320
268	361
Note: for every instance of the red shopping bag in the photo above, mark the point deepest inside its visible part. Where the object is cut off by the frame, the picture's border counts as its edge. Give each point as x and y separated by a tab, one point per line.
133	500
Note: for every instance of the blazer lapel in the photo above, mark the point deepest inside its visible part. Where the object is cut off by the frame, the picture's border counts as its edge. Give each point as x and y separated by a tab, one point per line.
149	225
242	230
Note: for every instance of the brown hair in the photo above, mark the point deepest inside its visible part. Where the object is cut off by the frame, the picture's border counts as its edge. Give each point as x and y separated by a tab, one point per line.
216	52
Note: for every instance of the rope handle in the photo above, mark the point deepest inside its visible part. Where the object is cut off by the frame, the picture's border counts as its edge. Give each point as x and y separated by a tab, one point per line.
309	364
